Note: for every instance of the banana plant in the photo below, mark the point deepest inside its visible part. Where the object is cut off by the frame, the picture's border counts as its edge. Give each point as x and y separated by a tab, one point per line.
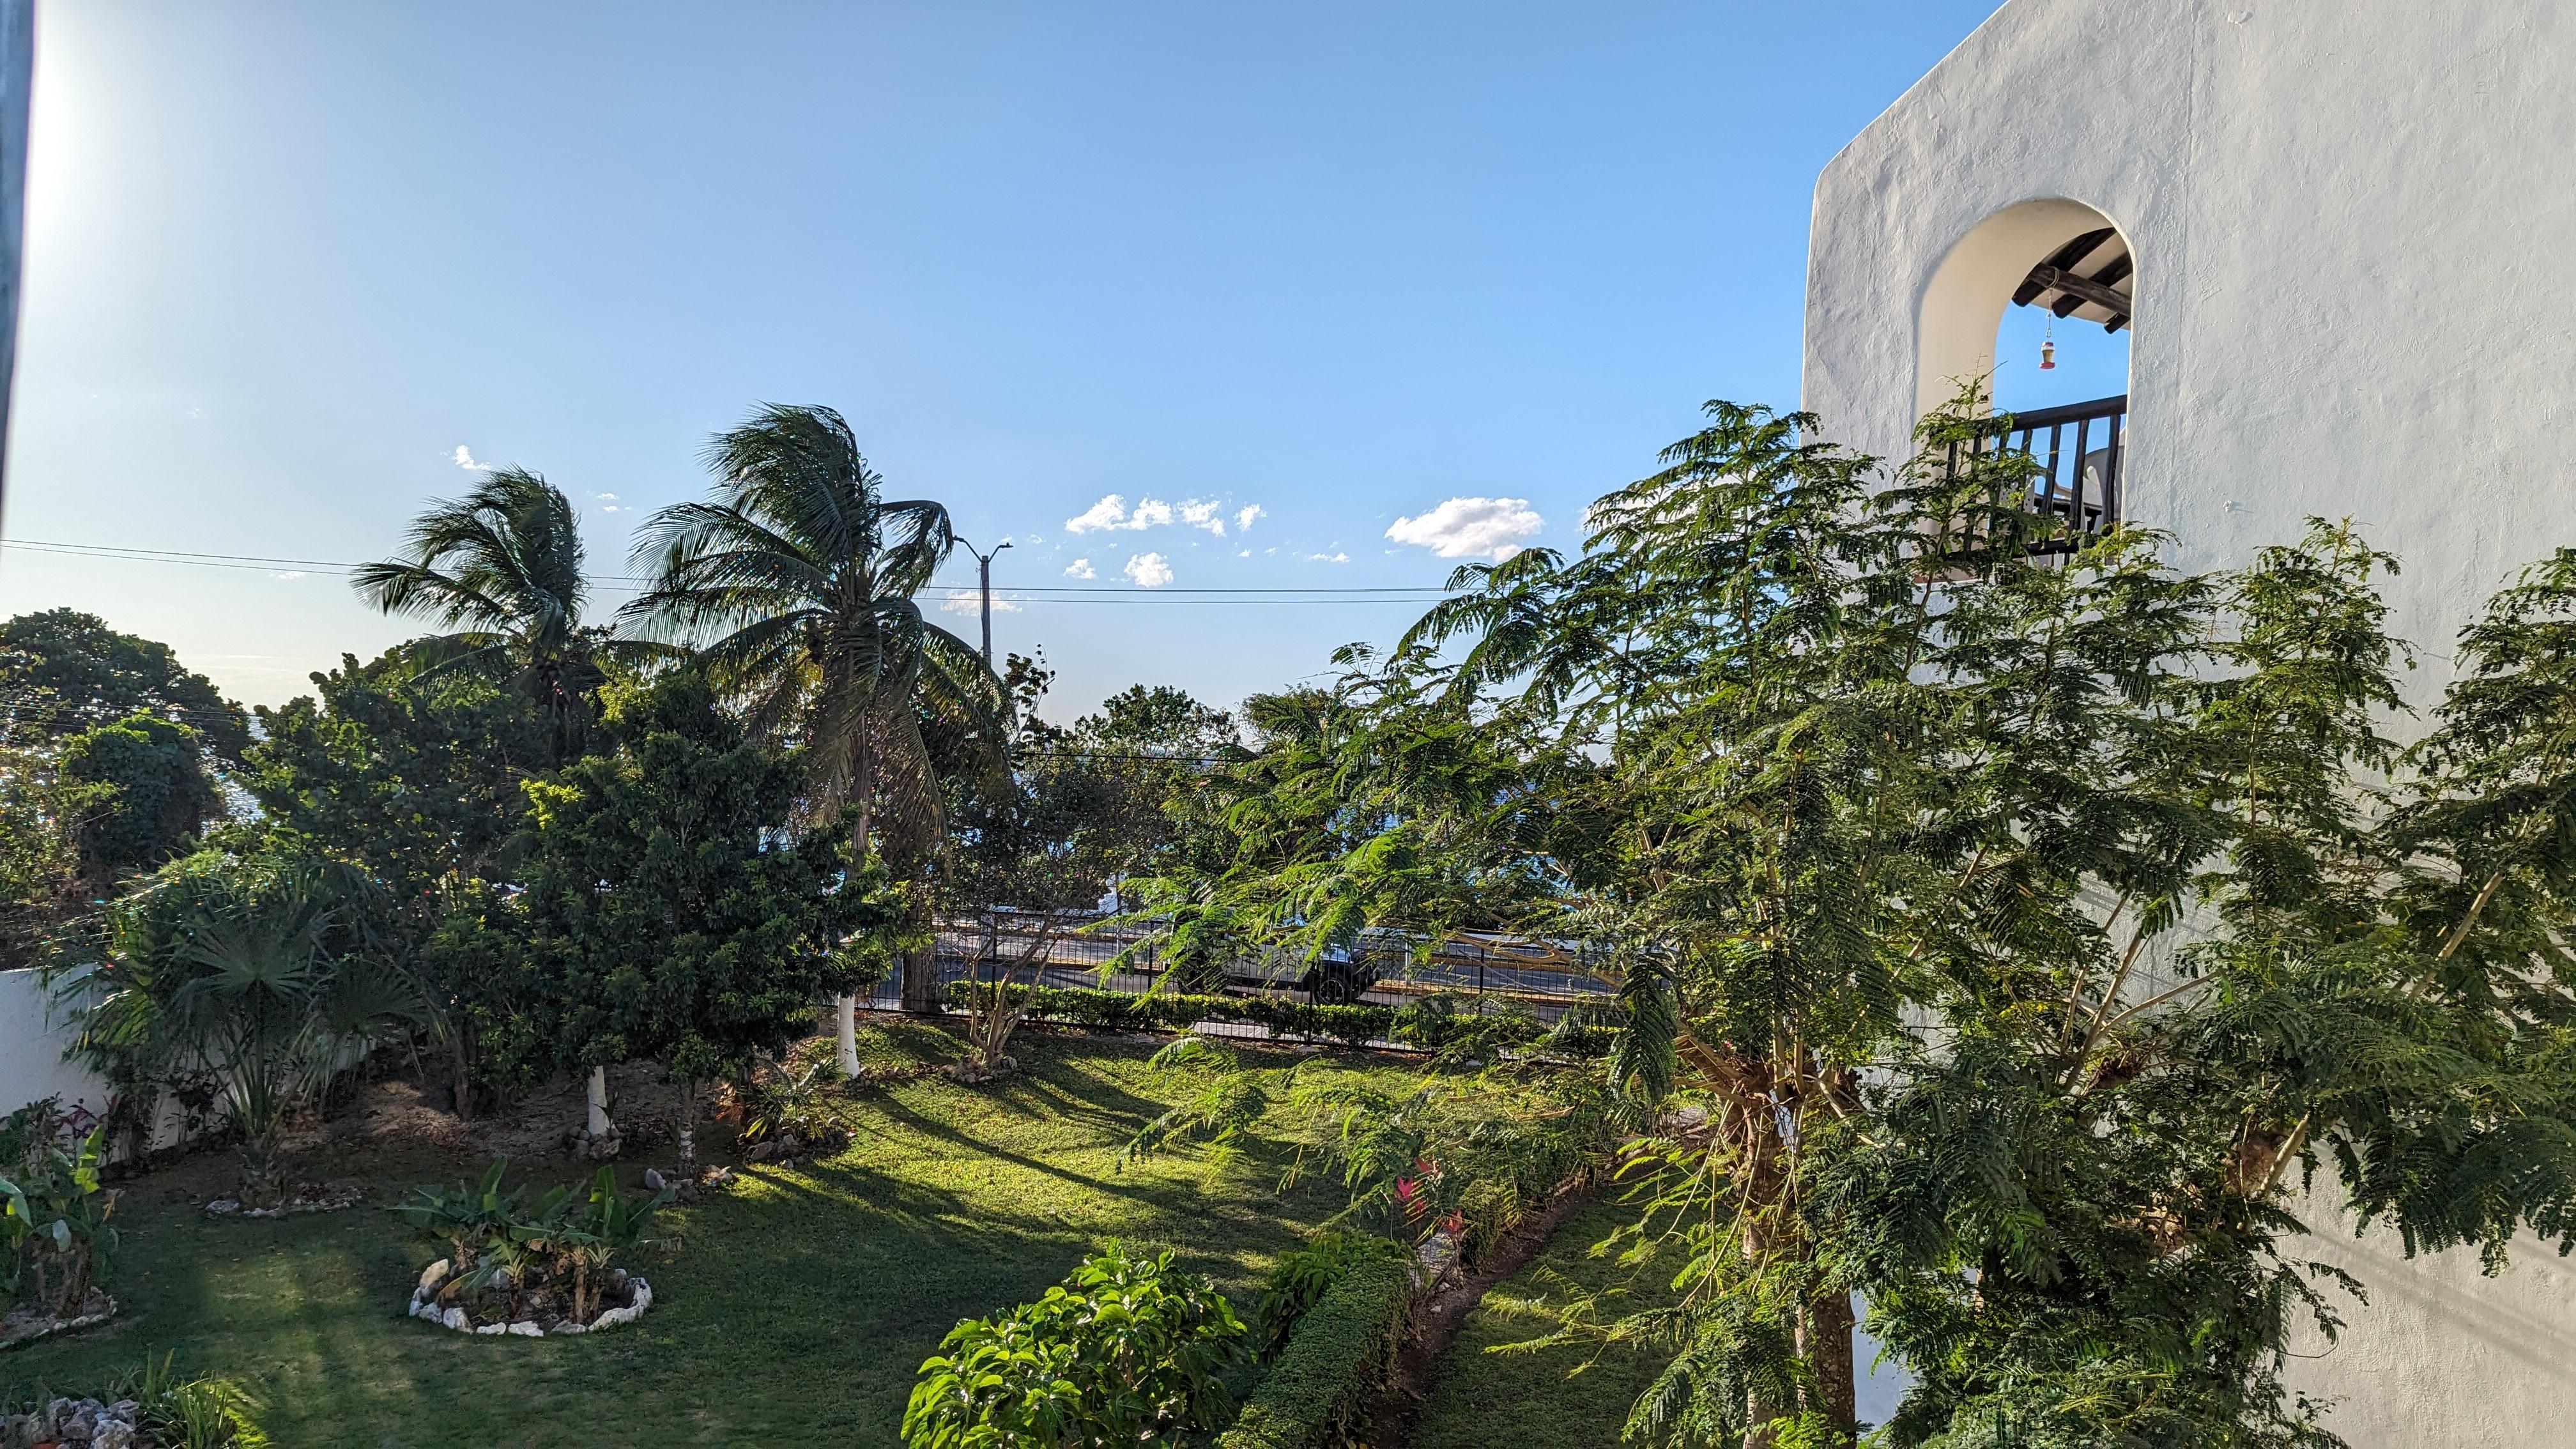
56	1224
467	1218
587	1232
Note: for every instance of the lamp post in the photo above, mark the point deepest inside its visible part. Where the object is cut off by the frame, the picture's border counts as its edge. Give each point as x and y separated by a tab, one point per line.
984	572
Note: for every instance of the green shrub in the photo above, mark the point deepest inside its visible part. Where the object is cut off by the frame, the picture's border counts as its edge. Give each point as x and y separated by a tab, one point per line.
1300	1280
1340	1351
1124	1350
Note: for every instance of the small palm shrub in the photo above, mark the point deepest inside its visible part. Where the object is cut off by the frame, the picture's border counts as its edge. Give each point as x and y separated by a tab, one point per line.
1127	1350
465	1218
580	1232
55	1235
193	1413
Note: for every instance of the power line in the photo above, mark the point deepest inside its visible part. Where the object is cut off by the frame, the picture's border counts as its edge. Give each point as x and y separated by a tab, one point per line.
629	583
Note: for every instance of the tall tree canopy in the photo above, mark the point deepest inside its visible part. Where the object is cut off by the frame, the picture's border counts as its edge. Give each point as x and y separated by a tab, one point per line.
796	584
418	777
62	671
141	793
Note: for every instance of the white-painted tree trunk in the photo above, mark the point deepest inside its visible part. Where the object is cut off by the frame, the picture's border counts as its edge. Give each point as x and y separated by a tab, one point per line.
845	1021
599	1101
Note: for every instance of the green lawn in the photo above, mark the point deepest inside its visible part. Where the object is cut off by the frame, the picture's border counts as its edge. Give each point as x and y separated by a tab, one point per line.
797	1313
1566	1397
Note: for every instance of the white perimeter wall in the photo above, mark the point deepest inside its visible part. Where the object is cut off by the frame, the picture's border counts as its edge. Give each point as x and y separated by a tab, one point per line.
2355	231
31	1050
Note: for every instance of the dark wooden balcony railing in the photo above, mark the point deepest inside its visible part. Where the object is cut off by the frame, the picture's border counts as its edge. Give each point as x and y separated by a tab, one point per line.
2078	450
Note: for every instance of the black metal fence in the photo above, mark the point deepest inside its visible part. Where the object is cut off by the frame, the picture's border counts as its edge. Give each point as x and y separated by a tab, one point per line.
1481	973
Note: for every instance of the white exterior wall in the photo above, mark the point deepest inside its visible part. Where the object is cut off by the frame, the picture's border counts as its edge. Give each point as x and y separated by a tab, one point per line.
2354	223
31	1051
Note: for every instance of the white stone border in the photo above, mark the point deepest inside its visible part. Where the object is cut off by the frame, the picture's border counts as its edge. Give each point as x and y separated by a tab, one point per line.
424	1306
65	1325
338	1199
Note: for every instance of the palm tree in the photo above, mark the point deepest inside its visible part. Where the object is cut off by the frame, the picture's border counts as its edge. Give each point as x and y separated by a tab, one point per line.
796	579
501	570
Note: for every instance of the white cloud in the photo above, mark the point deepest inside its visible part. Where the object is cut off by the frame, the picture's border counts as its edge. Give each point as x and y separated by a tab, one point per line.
295	575
1109	512
971	604
1243	516
1149	571
1247	553
1112	512
1081	569
1329	557
464	458
1471	527
609	497
612	508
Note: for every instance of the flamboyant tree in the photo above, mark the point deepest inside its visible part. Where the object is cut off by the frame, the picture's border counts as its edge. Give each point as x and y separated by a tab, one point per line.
2024	923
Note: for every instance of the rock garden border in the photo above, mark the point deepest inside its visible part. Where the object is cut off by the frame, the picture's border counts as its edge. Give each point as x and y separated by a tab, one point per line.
308	1197
26	1326
425	1307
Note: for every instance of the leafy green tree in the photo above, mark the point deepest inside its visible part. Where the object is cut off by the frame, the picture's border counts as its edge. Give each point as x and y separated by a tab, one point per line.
1032	851
416	777
1159	747
40	884
796	583
501	570
146	793
62	670
663	915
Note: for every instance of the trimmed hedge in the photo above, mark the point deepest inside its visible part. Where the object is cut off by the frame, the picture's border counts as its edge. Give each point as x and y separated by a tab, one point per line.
1355	1026
1340	1351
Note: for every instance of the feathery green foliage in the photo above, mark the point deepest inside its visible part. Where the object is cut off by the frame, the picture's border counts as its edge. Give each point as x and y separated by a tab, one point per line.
2005	938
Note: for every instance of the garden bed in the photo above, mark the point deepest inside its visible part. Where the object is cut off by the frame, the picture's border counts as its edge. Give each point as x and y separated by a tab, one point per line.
622	1298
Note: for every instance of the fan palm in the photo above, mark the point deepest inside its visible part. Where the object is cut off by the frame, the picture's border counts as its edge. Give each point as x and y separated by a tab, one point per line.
796	582
500	569
250	972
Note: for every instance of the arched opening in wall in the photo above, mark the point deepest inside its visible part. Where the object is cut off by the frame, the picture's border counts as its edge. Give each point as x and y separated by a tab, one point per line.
2035	303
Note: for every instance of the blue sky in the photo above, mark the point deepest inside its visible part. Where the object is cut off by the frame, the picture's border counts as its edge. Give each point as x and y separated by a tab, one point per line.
1343	264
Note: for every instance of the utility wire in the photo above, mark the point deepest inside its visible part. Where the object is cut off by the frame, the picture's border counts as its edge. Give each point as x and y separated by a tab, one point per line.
1034	593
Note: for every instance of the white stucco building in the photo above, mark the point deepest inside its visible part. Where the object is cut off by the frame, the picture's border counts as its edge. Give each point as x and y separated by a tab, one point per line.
2347	231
